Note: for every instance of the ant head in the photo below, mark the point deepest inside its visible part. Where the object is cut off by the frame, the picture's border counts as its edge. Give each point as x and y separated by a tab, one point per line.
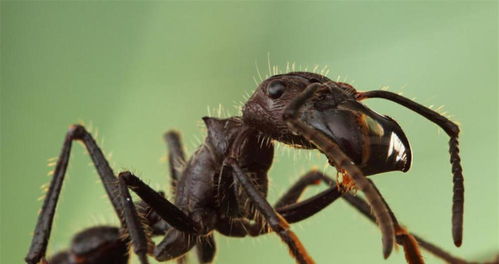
264	109
374	142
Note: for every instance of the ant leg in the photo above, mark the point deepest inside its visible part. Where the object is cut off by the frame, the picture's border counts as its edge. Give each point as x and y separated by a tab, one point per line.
205	247
304	209
133	224
179	239
404	238
176	156
165	209
287	206
276	222
292	195
341	161
44	224
291	213
176	160
168	248
453	131
299	211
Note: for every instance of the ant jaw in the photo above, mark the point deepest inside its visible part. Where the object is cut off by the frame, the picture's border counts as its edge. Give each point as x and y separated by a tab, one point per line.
374	142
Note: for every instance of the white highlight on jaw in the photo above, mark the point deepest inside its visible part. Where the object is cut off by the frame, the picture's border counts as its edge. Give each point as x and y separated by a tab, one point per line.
397	146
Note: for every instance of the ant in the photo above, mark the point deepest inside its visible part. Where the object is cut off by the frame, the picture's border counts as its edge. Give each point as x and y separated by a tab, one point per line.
223	186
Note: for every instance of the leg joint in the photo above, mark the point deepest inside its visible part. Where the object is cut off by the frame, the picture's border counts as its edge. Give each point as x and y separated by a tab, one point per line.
76	131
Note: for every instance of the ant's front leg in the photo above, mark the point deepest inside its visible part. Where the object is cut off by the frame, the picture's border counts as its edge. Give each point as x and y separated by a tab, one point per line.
44	225
300	210
404	238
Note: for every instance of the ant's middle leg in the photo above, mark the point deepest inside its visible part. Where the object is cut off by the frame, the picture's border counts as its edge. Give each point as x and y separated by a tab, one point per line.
178	240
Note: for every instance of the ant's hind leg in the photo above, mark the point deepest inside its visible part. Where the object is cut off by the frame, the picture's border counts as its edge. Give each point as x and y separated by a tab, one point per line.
44	225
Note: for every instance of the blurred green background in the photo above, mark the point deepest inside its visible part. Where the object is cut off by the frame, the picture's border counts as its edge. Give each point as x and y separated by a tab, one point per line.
133	70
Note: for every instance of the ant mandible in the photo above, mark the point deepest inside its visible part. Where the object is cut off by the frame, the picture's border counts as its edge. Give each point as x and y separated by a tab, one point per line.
223	186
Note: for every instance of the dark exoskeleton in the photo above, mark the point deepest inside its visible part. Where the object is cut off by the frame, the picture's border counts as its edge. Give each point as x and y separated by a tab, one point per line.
223	186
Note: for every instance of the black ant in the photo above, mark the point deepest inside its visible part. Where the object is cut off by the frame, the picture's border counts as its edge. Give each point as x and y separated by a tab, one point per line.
223	185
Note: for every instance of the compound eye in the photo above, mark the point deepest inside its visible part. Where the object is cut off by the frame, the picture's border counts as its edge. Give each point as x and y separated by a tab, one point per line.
275	89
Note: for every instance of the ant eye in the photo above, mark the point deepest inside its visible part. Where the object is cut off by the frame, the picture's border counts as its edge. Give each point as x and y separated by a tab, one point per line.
275	89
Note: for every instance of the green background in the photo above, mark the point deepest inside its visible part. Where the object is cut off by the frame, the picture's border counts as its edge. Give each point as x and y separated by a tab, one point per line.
134	70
